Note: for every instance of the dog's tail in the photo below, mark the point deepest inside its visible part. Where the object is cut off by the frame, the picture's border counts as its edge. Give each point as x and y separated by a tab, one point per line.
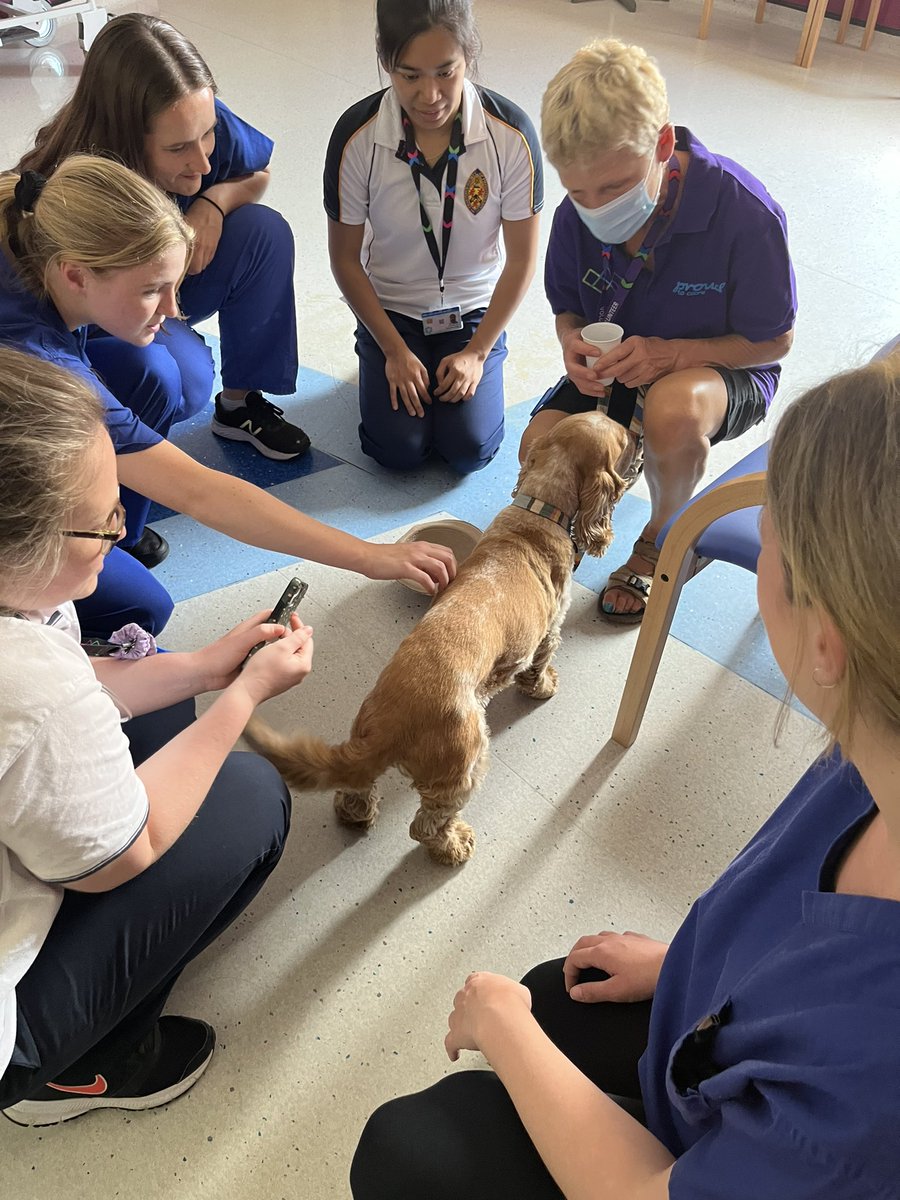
310	764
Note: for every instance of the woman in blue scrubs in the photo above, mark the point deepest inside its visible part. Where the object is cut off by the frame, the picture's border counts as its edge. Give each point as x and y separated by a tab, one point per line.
147	98
98	245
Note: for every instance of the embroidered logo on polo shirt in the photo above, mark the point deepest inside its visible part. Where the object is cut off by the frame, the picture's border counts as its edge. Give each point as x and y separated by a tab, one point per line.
593	279
696	289
475	192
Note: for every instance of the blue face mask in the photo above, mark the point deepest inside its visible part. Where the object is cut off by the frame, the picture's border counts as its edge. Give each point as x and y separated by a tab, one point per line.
621	218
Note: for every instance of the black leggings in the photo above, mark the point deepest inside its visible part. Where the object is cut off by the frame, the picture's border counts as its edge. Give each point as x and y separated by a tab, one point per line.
463	1138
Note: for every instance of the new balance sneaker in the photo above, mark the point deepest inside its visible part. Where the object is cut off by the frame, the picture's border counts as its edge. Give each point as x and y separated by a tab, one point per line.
262	424
169	1061
150	548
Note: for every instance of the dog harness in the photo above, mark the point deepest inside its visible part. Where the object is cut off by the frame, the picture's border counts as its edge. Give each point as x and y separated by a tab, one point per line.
541	509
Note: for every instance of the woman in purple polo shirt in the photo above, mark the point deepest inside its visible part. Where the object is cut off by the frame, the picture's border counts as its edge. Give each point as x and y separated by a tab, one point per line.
687	252
758	1055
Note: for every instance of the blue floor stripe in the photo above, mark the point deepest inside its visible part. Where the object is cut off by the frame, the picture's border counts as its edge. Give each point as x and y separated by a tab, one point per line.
338	484
240	458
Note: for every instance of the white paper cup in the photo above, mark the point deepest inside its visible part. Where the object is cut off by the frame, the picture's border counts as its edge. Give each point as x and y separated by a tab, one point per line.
605	336
460	536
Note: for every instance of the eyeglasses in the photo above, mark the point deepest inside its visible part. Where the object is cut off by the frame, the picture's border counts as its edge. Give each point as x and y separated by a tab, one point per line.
109	537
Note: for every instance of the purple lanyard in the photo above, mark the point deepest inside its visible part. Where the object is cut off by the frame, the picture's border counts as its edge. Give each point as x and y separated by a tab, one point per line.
625	283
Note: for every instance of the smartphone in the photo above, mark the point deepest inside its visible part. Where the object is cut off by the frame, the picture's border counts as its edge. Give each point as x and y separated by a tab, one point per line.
281	613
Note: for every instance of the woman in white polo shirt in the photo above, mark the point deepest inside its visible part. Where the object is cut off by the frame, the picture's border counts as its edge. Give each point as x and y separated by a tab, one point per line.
125	850
420	180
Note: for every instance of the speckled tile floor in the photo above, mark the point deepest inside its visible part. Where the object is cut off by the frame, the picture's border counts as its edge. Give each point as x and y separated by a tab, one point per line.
331	993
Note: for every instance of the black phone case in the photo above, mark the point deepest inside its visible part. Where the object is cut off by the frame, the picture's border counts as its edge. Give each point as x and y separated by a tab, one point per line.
281	613
293	594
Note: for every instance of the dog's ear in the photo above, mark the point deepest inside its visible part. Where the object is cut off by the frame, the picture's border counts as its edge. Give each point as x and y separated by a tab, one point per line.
601	491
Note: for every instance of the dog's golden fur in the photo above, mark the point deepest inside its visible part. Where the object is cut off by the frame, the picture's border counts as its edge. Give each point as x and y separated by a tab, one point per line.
498	623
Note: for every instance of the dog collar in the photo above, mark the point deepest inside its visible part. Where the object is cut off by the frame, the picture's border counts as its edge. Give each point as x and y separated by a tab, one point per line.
541	509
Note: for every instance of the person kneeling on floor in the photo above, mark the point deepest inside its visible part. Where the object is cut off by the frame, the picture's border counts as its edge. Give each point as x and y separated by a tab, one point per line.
95	244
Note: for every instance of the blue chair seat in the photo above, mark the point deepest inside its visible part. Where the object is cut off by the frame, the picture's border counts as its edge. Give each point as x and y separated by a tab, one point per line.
733	538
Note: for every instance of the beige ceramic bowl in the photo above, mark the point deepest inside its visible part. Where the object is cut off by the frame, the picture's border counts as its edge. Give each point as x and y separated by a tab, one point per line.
460	536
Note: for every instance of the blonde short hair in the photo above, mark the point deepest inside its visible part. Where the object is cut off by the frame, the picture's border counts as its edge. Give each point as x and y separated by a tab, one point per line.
609	97
49	420
834	502
91	211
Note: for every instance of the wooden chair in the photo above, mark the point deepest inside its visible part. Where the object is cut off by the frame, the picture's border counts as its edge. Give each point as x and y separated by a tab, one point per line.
812	25
868	31
721	522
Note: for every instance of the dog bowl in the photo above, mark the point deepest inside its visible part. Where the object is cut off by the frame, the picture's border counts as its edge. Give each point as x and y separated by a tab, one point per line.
460	536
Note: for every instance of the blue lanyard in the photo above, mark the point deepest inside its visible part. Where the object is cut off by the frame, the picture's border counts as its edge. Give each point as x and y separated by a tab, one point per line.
411	152
623	286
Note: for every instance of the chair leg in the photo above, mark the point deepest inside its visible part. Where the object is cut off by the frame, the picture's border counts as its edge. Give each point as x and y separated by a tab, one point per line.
705	19
760	11
804	33
846	14
869	31
677	563
812	29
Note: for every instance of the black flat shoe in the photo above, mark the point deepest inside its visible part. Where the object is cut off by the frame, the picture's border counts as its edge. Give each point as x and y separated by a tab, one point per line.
150	549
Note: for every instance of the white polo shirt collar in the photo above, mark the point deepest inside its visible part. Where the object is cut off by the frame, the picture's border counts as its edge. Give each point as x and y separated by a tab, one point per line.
389	126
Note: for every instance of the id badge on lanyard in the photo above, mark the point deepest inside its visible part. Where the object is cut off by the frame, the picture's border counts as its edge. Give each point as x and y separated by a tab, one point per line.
446	318
442	320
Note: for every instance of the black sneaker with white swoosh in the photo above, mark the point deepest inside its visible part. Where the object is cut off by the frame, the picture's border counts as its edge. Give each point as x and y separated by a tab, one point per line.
262	424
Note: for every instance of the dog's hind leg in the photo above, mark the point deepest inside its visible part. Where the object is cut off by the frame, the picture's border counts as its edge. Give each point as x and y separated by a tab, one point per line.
539	680
446	770
438	827
358	809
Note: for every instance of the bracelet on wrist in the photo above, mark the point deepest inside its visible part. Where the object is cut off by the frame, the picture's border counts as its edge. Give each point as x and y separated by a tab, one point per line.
209	200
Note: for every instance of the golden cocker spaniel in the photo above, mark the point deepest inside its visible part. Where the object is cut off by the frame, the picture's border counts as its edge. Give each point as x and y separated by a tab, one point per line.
498	623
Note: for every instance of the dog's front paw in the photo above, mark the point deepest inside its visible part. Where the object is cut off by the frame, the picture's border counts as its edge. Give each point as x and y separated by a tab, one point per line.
358	809
454	845
541	688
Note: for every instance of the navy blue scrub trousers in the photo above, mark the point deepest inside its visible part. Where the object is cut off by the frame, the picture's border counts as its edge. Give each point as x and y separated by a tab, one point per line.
466	435
103	975
126	593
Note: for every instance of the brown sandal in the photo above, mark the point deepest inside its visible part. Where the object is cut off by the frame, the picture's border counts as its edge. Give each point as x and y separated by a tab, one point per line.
632	583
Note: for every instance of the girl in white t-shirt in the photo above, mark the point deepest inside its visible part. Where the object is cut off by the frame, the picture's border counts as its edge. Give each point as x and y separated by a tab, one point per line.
118	862
420	181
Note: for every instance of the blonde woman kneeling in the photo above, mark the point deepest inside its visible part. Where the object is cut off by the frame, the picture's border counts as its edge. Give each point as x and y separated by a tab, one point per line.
98	245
